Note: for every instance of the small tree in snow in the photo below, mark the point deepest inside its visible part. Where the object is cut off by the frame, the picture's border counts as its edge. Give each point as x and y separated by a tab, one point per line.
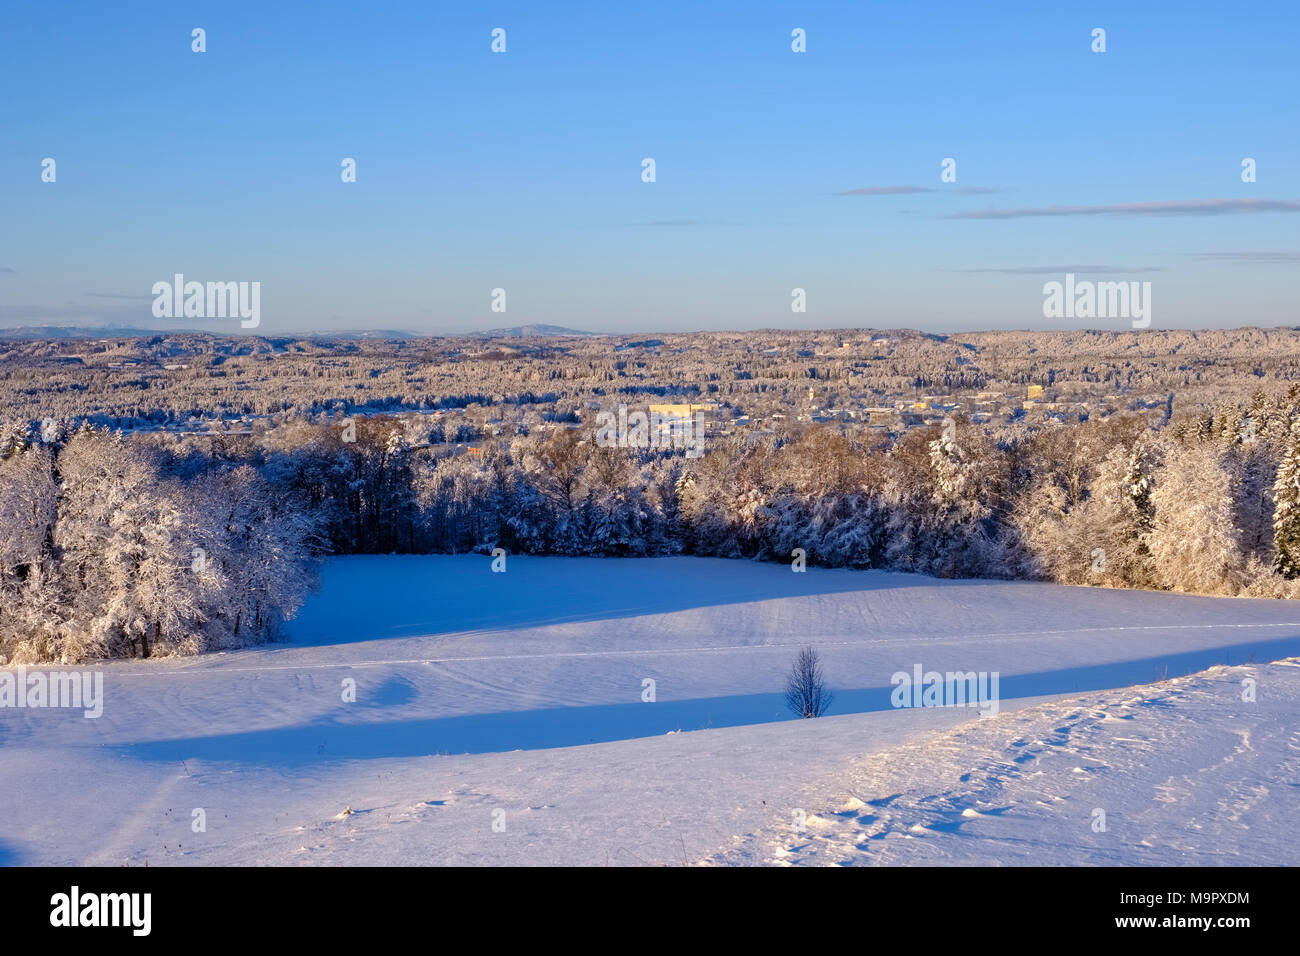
806	693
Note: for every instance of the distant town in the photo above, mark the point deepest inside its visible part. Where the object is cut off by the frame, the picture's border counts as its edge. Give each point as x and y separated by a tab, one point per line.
453	393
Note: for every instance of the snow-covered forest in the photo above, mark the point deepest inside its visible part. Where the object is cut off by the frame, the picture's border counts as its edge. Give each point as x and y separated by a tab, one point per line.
114	546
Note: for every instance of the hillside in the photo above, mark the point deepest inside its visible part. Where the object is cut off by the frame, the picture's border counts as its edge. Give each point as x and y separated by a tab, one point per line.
522	692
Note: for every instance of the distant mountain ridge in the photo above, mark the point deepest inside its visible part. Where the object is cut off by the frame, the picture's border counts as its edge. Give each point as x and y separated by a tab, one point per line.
28	332
521	331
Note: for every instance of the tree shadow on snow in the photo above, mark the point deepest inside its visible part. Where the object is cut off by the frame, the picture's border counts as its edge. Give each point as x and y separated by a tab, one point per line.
331	740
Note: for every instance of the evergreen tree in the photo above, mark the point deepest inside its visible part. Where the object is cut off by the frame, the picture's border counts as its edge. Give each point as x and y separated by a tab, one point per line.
1137	489
1286	511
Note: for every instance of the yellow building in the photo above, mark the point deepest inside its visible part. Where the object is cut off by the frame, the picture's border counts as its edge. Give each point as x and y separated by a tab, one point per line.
676	419
679	411
1035	391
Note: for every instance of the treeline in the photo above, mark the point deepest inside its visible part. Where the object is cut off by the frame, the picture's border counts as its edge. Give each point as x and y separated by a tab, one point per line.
111	547
1209	505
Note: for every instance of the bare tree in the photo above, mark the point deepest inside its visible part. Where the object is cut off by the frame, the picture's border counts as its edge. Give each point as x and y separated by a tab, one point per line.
806	693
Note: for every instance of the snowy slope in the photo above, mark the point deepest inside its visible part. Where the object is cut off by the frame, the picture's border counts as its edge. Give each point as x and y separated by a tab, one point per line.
522	693
1185	772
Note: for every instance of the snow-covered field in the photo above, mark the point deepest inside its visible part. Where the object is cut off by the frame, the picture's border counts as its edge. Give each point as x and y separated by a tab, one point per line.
1183	773
499	718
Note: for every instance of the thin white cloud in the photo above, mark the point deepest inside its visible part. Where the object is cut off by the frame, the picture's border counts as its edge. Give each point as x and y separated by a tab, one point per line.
1076	269
885	191
909	190
1248	256
1185	207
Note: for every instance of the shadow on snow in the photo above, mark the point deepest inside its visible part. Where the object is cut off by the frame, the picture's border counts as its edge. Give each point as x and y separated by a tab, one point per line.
332	739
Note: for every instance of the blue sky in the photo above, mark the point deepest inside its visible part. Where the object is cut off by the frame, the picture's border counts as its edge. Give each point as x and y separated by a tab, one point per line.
775	169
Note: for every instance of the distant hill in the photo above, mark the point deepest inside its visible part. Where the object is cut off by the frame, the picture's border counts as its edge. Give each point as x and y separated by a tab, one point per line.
521	331
30	332
383	335
26	332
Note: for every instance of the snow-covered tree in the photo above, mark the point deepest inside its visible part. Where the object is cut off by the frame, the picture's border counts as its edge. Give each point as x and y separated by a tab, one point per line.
125	553
1286	514
1194	542
30	599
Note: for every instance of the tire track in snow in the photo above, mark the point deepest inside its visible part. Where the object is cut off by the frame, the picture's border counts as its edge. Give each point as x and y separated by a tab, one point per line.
114	851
